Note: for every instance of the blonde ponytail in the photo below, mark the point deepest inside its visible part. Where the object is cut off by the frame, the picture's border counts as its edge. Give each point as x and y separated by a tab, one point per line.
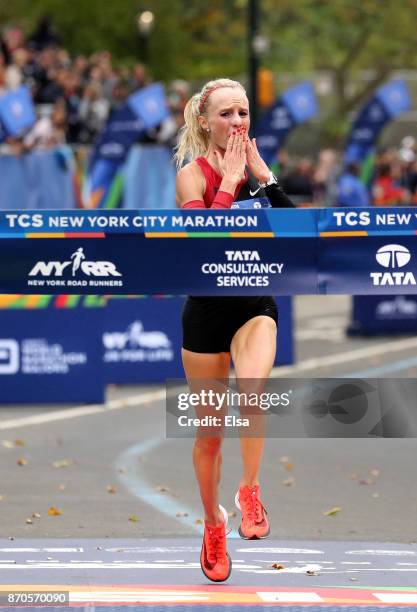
193	140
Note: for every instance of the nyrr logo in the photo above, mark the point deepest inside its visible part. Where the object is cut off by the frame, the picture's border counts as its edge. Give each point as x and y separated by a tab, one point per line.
77	263
393	256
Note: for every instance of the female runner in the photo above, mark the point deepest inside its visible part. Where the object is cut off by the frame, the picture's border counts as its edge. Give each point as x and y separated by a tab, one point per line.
226	170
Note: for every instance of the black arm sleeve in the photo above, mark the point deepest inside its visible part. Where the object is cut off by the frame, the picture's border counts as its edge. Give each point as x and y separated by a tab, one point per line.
277	198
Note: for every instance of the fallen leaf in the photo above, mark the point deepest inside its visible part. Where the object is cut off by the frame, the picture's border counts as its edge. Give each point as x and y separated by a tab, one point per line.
284	459
52	511
374	472
288	467
199	522
367	481
354	476
36	515
62	487
2	497
375	495
19	442
122	470
111	489
333	511
162	489
62	463
180	514
289	482
22	461
231	514
7	444
29	521
133	519
277	566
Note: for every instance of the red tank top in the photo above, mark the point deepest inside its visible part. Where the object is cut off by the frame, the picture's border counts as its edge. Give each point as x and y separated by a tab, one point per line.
213	181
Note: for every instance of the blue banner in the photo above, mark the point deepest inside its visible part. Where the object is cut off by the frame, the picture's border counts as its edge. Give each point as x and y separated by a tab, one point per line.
142	111
262	252
17	111
150	105
295	106
122	130
389	101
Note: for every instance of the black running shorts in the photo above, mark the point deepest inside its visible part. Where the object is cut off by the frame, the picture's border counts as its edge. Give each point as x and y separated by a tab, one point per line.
209	323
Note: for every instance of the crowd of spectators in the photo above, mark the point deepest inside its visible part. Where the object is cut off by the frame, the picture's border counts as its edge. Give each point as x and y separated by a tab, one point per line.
75	96
388	179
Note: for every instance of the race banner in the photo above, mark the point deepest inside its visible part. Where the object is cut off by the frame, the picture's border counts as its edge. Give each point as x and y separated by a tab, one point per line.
176	252
369	251
388	102
295	106
154	252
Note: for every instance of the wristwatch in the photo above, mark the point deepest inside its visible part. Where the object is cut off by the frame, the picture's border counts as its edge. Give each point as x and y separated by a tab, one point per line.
271	181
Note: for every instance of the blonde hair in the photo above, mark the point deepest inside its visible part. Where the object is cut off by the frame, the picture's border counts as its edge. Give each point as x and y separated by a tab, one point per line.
193	140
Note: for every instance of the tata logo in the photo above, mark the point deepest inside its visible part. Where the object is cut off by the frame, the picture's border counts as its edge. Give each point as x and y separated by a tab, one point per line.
393	256
77	263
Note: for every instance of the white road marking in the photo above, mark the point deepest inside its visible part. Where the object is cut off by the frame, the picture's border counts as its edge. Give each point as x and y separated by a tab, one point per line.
289	597
385	348
14	550
80	411
383	552
397	598
281	551
328	335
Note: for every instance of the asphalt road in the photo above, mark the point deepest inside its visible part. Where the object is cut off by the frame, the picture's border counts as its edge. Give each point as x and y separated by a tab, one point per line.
112	473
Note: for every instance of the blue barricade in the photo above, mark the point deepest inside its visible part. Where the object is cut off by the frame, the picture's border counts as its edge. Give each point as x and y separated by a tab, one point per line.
45	179
69	351
38	180
149	178
48	356
142	339
373	314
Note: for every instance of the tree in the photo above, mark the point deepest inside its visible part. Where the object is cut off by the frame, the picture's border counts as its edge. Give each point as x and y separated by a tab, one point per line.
344	38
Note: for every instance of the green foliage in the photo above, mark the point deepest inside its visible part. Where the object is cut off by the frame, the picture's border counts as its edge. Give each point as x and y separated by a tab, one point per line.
200	40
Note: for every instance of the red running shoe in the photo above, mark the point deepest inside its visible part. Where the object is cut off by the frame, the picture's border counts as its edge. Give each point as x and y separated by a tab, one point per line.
215	561
254	524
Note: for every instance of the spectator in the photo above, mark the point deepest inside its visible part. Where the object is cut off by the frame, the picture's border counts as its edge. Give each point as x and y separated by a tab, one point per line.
48	131
350	189
92	112
387	189
299	182
44	35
